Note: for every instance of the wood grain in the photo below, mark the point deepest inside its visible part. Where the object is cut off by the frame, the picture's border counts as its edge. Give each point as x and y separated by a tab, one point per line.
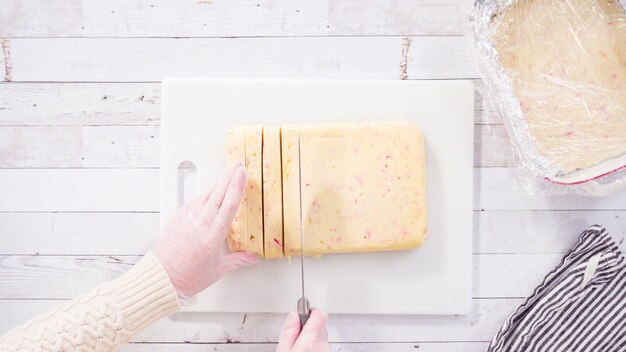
486	113
42	145
79	146
453	58
79	190
403	17
540	232
7	63
492	147
506	189
80	104
161	18
78	233
126	60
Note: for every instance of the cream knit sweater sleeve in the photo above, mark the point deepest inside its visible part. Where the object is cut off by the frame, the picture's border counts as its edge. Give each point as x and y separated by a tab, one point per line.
103	318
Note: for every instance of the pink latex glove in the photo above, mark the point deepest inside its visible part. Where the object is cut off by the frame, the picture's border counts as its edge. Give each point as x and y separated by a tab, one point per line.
313	338
190	247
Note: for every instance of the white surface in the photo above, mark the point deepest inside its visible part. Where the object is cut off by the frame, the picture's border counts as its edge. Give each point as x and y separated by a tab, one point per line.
434	279
62	243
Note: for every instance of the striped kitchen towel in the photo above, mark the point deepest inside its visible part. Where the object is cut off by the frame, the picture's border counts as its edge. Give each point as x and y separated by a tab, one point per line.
579	306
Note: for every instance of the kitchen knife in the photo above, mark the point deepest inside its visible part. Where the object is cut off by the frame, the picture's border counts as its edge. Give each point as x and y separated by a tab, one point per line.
304	308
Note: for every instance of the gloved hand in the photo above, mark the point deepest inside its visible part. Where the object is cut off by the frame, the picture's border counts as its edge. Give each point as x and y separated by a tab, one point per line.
313	338
190	247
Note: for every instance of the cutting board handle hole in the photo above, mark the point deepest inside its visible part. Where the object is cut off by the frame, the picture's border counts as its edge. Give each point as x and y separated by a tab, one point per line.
187	182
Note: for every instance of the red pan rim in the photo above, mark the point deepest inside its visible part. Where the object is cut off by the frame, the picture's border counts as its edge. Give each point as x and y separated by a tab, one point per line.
587	180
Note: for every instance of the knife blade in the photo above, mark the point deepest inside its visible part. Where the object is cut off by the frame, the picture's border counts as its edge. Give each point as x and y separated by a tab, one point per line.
304	308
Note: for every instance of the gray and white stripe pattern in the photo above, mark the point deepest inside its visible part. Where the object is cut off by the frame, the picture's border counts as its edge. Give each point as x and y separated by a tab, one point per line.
579	306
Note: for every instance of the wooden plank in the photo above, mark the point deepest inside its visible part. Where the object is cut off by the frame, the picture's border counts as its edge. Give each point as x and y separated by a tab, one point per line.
441	57
536	232
109	190
492	147
152	59
503	189
380	17
79	190
62	277
45	18
76	146
162	18
486	317
206	19
485	111
510	275
79	146
129	146
41	146
495	232
138	146
75	104
78	233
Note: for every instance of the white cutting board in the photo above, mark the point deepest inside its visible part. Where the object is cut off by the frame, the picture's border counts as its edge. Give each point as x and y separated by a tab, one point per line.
433	279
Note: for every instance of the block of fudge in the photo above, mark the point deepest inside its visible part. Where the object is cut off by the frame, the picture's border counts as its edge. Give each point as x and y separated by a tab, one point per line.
236	151
254	195
363	187
246	233
272	194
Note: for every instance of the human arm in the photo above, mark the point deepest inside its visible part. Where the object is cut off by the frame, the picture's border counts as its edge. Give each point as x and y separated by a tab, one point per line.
185	260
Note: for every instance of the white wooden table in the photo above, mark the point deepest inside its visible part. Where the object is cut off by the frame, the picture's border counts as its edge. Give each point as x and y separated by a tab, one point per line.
79	151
